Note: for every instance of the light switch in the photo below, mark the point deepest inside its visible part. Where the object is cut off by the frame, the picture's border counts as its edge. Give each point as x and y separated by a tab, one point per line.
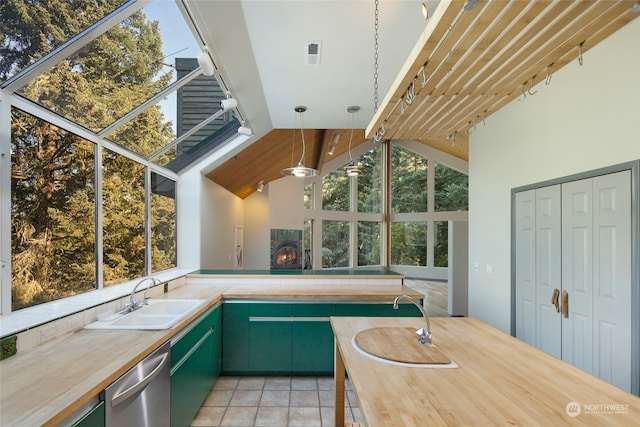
489	268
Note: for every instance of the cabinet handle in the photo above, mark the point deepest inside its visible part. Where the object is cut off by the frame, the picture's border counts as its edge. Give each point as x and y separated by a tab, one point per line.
555	298
565	304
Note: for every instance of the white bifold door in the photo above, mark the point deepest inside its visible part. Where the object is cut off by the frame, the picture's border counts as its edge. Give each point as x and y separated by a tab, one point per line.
573	273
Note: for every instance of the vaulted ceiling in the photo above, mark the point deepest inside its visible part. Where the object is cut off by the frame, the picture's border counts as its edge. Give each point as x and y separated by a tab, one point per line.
437	79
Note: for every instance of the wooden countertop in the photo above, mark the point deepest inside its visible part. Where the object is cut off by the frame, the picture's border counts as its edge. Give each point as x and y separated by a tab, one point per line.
302	291
500	381
46	385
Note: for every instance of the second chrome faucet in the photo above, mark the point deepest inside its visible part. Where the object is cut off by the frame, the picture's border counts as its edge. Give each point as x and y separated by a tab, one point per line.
424	333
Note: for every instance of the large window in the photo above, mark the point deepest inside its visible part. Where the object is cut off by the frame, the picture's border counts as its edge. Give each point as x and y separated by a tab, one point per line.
451	189
123	213
409	243
163	223
90	204
335	244
409	175
52	212
369	243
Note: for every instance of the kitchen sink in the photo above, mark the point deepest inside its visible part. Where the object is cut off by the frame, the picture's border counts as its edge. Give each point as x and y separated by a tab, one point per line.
400	347
156	315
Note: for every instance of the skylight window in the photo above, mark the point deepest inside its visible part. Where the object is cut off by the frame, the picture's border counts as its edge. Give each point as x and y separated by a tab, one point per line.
118	76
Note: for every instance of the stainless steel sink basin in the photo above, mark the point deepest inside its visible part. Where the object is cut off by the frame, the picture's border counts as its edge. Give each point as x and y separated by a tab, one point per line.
157	315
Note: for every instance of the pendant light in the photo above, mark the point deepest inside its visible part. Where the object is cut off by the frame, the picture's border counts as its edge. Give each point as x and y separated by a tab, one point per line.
352	168
300	170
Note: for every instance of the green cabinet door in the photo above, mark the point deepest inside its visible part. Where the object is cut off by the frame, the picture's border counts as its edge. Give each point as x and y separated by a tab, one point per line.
312	346
93	418
193	370
270	338
235	338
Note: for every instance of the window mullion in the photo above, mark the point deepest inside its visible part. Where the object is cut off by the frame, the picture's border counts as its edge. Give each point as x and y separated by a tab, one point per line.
99	203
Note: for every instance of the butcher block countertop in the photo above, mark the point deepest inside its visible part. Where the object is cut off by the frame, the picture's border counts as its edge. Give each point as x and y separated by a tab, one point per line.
46	385
500	381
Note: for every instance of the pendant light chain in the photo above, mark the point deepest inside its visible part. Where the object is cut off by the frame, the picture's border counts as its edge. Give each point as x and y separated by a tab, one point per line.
375	62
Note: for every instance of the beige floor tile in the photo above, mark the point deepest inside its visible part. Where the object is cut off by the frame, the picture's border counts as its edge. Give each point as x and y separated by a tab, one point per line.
209	416
303	383
328	416
272	416
326	383
246	398
226	383
304	398
218	398
327	397
251	383
277	383
239	417
304	417
275	398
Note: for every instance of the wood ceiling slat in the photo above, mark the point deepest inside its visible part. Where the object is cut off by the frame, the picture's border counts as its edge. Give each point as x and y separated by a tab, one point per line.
497	40
483	84
453	82
535	65
437	26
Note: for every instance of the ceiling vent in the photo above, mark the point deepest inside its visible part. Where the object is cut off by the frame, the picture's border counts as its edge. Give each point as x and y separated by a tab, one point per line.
312	53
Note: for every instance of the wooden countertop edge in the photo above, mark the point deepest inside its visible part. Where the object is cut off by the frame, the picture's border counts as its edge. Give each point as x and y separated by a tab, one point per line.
44	418
94	391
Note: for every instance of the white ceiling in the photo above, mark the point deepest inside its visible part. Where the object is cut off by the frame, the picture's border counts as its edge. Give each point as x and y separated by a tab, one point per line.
260	46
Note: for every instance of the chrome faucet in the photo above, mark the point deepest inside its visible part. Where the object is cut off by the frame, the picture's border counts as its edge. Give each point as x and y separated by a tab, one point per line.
135	304
425	334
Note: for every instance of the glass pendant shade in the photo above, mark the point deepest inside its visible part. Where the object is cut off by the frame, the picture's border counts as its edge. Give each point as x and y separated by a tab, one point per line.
300	170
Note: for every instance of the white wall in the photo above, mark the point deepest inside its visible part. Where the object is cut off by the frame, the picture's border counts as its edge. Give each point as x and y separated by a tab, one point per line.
256	230
587	118
206	214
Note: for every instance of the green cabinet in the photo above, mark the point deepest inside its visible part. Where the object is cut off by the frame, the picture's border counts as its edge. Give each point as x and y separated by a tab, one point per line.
270	338
93	418
196	362
289	337
312	339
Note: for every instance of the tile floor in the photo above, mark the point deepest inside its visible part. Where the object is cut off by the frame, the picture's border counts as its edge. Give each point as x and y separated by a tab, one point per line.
274	401
293	401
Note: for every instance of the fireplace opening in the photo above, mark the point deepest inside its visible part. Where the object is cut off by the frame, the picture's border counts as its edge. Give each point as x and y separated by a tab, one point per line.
286	256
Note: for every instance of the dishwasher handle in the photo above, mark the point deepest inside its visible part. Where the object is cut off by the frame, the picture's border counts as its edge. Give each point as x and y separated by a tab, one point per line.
120	397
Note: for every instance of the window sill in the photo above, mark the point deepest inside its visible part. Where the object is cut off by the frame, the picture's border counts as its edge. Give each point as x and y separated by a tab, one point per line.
82	308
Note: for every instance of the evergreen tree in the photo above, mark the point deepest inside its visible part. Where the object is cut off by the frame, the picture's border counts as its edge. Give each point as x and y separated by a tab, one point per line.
53	187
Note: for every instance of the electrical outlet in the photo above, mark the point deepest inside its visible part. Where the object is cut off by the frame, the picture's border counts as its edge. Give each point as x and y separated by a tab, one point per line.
9	346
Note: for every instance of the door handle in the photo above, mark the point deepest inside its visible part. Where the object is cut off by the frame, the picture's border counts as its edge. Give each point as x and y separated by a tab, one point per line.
555	299
565	304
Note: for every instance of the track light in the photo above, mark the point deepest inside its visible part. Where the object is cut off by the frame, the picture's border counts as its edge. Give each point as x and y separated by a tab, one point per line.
228	104
470	4
205	62
334	142
636	7
260	186
243	130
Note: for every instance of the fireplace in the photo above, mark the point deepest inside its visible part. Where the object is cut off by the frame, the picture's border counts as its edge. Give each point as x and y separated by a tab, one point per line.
286	250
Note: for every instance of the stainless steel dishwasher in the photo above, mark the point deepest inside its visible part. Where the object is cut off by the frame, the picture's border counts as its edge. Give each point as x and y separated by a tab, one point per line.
140	397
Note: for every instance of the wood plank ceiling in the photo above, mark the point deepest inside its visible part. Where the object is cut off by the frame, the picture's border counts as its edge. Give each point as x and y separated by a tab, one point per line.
466	65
